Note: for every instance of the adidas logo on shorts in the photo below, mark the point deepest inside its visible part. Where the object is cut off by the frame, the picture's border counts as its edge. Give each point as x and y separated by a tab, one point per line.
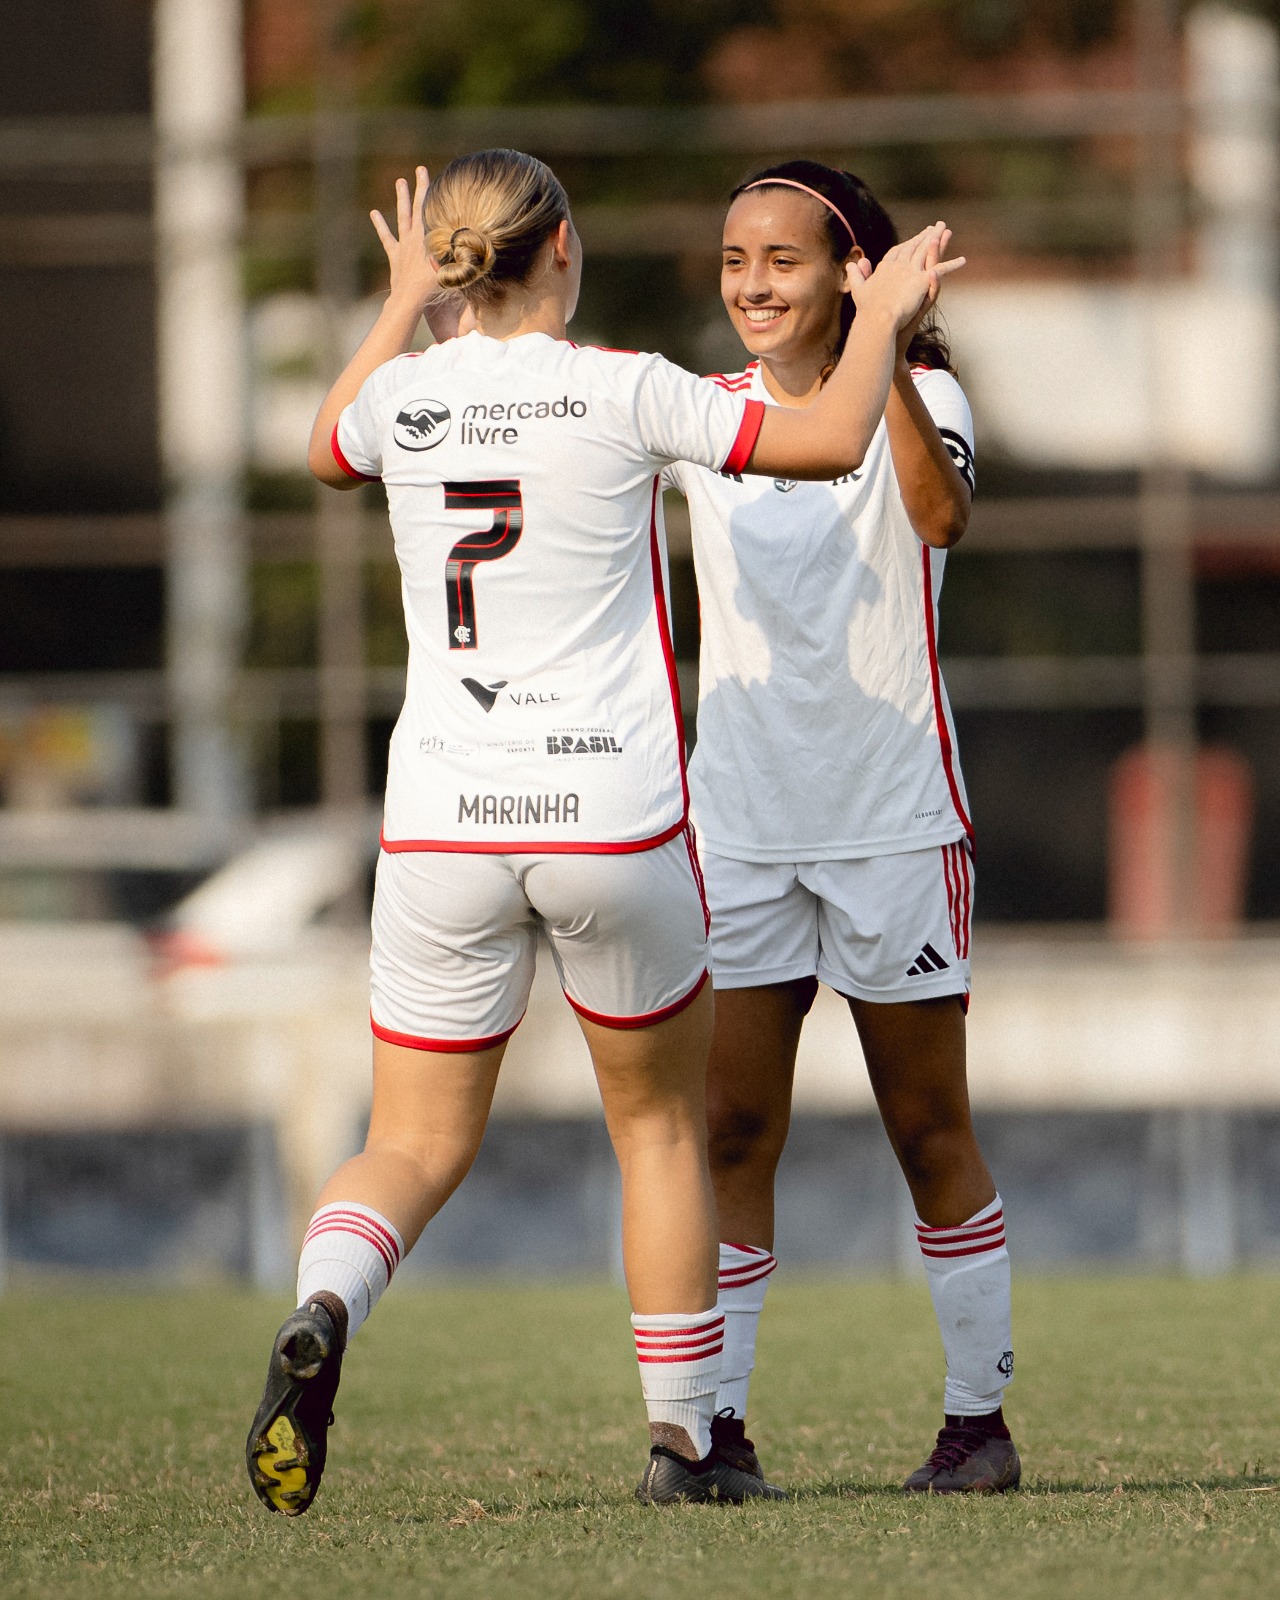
927	961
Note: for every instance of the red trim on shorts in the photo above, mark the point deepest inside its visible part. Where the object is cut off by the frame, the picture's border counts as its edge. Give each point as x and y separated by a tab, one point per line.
412	1041
649	1019
944	733
360	477
691	843
560	847
966	875
956	872
745	440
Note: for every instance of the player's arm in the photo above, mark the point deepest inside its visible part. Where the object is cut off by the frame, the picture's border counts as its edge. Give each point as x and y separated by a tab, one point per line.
830	437
413	290
936	496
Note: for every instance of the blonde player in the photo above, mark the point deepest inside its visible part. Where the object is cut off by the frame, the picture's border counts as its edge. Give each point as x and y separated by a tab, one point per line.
536	775
831	812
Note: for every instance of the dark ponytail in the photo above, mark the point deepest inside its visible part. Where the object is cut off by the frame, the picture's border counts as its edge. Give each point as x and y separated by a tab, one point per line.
875	233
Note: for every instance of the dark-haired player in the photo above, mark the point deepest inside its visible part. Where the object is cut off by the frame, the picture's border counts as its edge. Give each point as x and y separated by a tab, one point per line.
827	793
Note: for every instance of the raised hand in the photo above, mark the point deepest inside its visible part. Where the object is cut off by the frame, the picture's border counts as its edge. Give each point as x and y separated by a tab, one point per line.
905	283
413	272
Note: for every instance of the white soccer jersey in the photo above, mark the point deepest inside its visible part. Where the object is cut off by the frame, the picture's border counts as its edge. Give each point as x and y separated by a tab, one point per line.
541	710
824	731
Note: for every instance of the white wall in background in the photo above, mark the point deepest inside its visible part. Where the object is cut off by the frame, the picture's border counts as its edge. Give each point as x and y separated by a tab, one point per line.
1105	375
1112	374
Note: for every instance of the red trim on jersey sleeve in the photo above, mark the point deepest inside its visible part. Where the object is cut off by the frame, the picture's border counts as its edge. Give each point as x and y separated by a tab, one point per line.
650	1018
748	433
935	678
361	477
413	1041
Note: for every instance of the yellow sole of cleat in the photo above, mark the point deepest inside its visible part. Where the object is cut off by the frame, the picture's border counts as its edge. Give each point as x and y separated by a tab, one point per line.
281	1466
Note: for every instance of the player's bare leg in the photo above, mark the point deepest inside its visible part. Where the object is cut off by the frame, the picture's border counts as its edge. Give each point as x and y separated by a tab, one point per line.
749	1081
429	1114
430	1108
653	1088
915	1055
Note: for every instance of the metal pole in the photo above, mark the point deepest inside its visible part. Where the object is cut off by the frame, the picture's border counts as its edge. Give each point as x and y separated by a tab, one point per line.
1164	511
343	758
199	208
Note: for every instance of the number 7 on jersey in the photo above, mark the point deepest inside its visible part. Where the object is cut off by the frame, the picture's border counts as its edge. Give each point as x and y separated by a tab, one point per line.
502	497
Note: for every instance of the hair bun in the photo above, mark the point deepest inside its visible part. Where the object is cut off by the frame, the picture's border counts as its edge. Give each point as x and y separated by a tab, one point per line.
468	257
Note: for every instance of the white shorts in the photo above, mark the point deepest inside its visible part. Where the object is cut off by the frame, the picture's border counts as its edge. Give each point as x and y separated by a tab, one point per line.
455	934
890	927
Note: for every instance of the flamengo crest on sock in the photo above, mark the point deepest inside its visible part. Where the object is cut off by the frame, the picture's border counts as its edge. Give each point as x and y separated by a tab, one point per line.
352	1251
679	1355
744	1275
968	1272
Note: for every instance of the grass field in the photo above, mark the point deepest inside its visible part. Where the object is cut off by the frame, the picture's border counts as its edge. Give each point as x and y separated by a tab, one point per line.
488	1440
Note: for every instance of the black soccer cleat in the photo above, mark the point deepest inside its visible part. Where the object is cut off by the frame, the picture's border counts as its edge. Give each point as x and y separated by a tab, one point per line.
967	1461
730	1445
671	1480
288	1441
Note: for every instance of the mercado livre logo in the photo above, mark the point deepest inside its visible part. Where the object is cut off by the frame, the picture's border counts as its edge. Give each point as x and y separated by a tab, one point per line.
422	424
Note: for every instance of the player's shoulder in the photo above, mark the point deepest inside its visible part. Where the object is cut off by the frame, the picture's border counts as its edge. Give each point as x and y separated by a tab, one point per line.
940	379
734	382
407	367
611	366
609	356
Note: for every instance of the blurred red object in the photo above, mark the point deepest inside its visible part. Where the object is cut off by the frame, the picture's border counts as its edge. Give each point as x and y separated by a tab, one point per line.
1142	869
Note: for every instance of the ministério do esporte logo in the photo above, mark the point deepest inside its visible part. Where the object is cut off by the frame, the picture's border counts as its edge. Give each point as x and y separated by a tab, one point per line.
422	424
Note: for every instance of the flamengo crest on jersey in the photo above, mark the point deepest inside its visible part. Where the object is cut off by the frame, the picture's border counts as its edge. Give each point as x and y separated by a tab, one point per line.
541	709
824	731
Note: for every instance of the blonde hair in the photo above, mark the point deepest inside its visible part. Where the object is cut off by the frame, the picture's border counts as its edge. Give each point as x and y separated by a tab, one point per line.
487	216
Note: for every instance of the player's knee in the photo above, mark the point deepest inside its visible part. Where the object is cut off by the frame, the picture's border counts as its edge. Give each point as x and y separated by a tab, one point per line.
737	1137
931	1152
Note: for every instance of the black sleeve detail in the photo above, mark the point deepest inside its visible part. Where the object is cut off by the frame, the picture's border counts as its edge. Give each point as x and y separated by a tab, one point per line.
959	451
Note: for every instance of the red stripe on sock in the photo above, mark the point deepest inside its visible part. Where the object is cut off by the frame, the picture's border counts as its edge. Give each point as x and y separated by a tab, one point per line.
727	1282
747	1249
965	1230
357	1225
653	1361
973	1250
356	1232
679	1333
686	1344
369	1222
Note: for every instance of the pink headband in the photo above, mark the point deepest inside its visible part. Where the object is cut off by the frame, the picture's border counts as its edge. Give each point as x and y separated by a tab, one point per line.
790	183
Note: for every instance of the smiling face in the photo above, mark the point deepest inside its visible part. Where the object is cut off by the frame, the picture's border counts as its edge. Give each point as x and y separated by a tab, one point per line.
779	281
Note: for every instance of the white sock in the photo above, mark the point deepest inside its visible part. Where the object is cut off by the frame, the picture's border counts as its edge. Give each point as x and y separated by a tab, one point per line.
968	1272
679	1356
744	1277
352	1251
